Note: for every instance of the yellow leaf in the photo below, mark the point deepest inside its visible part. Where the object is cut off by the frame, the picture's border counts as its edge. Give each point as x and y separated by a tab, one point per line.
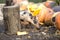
36	12
22	33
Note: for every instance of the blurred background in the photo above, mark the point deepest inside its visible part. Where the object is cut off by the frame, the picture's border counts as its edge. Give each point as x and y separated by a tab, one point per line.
36	1
2	1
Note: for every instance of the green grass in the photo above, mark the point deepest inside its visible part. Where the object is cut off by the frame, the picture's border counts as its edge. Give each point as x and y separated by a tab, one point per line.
57	2
36	1
2	1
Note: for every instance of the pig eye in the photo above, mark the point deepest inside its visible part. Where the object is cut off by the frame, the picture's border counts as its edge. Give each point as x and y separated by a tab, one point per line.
21	19
24	13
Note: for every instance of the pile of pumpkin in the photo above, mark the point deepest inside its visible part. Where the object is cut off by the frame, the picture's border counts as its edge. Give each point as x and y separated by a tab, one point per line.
45	13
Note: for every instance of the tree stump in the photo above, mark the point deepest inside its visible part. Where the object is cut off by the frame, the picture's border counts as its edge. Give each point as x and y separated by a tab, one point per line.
11	19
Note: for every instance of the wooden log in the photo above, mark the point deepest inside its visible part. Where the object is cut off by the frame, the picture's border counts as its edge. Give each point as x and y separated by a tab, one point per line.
11	19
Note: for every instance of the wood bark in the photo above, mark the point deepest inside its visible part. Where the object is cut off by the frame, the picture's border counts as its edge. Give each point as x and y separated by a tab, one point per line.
11	19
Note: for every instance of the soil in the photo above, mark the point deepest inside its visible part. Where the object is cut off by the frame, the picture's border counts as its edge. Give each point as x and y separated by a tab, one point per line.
45	33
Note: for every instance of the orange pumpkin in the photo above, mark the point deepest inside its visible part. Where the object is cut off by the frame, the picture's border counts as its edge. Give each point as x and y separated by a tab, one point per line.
23	7
57	20
50	4
48	17
45	16
43	13
47	4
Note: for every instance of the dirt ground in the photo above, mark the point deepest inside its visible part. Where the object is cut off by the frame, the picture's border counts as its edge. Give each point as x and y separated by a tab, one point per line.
45	33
